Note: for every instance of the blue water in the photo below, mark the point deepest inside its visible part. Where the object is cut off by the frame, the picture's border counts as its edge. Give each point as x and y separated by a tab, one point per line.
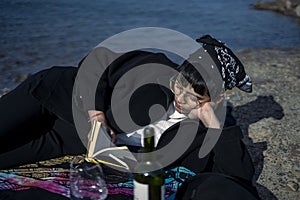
36	34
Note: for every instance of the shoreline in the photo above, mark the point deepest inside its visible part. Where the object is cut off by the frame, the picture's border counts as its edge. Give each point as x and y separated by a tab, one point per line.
269	118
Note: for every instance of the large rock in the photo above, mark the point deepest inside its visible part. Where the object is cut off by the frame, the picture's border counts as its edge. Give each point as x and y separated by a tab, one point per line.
286	7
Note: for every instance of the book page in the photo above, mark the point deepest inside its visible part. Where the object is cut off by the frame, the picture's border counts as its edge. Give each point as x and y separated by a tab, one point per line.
101	149
98	139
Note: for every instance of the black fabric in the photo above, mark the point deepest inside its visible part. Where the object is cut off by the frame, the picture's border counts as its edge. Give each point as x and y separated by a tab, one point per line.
30	194
46	99
37	120
53	89
225	173
56	97
143	97
229	156
214	186
230	67
18	111
29	131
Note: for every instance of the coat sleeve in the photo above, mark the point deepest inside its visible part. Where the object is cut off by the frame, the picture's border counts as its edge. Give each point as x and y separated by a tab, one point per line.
53	89
129	86
102	69
91	84
231	156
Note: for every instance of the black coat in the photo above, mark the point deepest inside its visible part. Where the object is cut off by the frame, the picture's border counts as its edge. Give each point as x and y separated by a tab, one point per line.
229	155
53	89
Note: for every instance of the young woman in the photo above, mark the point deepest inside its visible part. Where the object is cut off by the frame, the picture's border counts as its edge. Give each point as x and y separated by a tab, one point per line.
37	118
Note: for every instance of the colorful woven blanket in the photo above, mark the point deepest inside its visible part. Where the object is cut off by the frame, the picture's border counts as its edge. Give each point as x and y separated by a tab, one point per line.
53	176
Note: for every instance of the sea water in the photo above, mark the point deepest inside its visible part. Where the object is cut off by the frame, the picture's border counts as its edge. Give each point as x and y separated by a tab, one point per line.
37	34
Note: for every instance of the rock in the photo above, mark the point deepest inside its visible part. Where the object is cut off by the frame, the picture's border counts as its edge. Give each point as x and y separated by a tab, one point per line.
293	186
297	10
272	5
290	4
286	7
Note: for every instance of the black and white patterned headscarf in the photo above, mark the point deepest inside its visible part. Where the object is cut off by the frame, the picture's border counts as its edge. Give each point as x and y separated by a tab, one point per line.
232	70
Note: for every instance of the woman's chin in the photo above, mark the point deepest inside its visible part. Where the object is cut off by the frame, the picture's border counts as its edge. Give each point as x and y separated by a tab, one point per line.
181	111
178	110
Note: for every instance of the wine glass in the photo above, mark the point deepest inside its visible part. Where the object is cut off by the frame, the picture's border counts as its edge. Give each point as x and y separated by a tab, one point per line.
86	180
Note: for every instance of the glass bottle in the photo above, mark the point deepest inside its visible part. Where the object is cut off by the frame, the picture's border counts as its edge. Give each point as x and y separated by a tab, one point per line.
149	176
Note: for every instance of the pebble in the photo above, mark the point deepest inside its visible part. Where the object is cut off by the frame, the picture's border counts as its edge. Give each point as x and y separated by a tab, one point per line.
293	186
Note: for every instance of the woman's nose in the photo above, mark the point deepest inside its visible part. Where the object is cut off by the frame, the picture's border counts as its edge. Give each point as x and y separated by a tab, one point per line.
180	98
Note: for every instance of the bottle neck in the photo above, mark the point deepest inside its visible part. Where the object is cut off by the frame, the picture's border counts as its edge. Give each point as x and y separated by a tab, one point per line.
148	159
148	141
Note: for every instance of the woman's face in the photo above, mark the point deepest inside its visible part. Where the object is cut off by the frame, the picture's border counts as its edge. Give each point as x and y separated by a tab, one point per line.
186	99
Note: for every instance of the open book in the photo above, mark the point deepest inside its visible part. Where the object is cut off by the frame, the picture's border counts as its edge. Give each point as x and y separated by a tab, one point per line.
101	149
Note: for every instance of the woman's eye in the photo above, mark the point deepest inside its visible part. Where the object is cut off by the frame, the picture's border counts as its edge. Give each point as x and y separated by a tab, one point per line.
193	98
178	88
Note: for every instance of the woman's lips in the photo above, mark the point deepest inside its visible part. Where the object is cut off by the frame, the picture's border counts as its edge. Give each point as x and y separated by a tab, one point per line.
177	106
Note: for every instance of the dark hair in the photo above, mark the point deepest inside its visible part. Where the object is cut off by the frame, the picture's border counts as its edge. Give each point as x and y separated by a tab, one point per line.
189	75
202	82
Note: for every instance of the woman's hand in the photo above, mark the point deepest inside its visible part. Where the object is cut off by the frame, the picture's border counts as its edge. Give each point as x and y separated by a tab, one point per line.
206	114
99	116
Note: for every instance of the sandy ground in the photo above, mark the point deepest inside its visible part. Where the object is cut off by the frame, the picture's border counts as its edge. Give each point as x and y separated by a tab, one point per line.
269	118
